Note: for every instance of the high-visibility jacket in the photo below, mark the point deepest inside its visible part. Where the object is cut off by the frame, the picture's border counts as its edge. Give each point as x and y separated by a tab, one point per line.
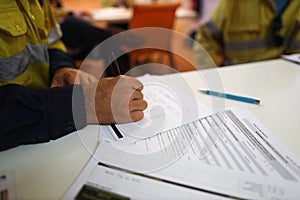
29	46
241	31
27	31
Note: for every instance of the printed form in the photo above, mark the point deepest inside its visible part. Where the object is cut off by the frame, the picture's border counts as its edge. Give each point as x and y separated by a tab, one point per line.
228	154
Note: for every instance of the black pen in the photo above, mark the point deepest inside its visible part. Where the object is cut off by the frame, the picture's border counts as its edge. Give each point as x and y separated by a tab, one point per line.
116	130
116	67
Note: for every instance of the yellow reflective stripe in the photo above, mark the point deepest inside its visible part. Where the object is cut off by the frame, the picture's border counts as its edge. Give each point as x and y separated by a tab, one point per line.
14	66
253	44
247	45
294	45
35	77
38	53
213	31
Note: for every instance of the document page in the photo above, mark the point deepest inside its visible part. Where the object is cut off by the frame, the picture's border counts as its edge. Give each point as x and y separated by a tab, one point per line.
98	181
229	153
181	150
139	186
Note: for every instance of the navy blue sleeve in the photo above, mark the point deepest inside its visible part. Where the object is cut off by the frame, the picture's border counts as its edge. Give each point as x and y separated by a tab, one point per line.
29	117
59	59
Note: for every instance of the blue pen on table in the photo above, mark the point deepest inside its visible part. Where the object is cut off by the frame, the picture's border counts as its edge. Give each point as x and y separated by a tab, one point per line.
231	96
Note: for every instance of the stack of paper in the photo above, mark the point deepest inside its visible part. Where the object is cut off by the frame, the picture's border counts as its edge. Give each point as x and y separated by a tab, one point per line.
228	154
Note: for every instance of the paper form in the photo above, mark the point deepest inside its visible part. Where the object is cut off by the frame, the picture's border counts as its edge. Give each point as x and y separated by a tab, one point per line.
230	153
132	186
138	187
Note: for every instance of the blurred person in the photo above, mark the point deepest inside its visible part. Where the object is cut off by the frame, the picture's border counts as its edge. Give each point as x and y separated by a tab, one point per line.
38	79
80	37
241	31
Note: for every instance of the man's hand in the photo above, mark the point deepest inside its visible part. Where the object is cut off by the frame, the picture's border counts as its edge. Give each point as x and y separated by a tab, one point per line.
114	100
69	76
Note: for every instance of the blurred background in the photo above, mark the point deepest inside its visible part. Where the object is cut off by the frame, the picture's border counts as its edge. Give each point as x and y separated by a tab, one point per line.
189	16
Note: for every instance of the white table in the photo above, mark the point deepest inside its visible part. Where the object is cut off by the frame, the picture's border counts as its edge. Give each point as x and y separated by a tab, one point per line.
114	14
276	83
45	171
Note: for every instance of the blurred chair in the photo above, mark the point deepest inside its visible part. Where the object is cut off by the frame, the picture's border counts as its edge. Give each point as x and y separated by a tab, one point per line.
160	15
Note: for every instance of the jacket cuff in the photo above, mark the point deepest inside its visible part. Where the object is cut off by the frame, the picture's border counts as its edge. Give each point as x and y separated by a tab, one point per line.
59	59
65	104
